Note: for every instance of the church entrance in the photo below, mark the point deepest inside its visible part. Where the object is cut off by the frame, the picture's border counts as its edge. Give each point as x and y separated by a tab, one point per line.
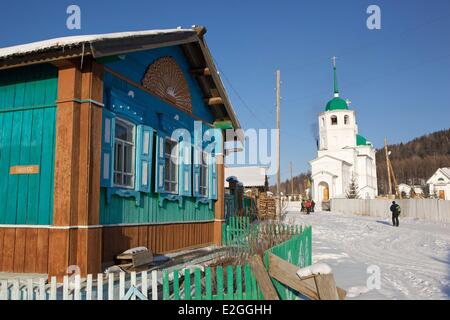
442	194
324	191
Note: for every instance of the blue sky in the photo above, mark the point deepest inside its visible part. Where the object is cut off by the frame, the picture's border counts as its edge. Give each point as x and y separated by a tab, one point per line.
398	78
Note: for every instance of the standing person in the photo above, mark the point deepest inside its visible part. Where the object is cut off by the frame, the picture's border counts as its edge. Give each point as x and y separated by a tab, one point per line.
308	206
395	209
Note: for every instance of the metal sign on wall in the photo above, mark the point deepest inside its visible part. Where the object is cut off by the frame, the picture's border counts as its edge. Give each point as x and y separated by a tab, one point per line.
32	169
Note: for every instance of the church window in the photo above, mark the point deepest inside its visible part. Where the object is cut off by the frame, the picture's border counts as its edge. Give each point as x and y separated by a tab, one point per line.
346	119
323	122
334	120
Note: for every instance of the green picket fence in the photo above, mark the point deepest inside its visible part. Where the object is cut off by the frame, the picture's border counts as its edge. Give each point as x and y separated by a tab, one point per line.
297	251
238	282
218	283
235	231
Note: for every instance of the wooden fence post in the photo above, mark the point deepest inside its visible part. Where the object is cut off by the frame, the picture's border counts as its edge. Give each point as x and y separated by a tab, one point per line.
263	279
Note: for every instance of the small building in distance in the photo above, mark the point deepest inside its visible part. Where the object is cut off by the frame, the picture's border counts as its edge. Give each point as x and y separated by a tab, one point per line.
405	190
439	184
253	177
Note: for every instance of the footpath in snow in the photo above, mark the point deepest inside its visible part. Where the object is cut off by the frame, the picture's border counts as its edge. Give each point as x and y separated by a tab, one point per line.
413	260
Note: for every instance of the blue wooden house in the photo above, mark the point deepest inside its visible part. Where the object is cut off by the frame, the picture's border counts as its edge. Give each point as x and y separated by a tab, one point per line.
109	142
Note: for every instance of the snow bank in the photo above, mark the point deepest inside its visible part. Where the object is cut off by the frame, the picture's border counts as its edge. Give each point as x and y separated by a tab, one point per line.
135	250
315	269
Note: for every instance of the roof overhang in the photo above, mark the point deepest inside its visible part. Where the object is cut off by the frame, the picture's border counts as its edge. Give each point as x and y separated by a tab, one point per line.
192	42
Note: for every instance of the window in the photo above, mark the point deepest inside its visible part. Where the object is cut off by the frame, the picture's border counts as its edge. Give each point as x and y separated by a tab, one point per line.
346	119
204	175
334	120
124	154
171	167
323	122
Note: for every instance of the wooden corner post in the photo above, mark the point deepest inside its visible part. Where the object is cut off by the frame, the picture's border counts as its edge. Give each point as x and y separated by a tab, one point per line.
72	240
219	207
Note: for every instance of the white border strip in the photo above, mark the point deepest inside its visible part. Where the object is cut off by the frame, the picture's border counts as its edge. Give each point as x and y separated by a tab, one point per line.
32	226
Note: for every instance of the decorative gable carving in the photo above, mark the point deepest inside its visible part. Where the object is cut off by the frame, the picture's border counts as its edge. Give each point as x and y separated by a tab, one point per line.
165	80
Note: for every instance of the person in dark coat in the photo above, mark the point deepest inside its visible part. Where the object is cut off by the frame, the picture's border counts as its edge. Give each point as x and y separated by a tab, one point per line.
395	214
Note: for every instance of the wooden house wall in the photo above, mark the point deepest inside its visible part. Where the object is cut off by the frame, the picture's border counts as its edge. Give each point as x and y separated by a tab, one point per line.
132	67
27	137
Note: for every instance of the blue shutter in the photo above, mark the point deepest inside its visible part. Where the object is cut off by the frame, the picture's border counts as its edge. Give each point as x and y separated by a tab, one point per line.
196	171
160	163
197	158
144	147
107	165
212	172
185	168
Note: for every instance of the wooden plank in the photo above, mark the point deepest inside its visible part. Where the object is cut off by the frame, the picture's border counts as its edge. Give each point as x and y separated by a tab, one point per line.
58	257
341	293
208	289
263	279
100	286
201	72
13	181
198	284
326	287
187	284
111	286
239	282
89	287
286	273
144	283
8	250
165	278
2	237
19	250
42	251
230	283
213	101
176	285
219	277
31	250
154	285
46	183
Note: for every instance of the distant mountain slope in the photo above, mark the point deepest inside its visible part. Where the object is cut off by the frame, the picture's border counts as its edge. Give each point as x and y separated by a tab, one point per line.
415	161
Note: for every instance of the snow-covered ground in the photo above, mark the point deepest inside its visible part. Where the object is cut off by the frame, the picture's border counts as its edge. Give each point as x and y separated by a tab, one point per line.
414	259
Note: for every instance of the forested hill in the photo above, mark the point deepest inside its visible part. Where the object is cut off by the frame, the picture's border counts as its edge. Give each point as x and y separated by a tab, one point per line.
415	161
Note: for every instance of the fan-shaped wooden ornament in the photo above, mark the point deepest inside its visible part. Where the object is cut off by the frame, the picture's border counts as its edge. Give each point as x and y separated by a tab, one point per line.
165	80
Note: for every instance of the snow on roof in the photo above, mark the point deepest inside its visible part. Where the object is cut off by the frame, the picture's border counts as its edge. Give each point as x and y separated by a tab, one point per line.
446	171
78	40
249	176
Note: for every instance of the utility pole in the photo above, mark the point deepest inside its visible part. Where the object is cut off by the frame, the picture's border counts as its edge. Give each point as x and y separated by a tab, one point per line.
278	141
292	180
388	167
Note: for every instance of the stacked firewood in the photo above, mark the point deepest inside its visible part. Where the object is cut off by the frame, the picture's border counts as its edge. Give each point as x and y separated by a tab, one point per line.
266	207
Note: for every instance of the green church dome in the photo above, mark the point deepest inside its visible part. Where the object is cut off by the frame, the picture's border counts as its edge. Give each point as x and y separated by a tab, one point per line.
337	104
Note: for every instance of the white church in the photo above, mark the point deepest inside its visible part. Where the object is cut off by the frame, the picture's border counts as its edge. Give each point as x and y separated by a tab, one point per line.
342	154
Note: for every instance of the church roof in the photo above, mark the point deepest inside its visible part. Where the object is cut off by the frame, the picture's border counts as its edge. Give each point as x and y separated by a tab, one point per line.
334	158
362	141
336	103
